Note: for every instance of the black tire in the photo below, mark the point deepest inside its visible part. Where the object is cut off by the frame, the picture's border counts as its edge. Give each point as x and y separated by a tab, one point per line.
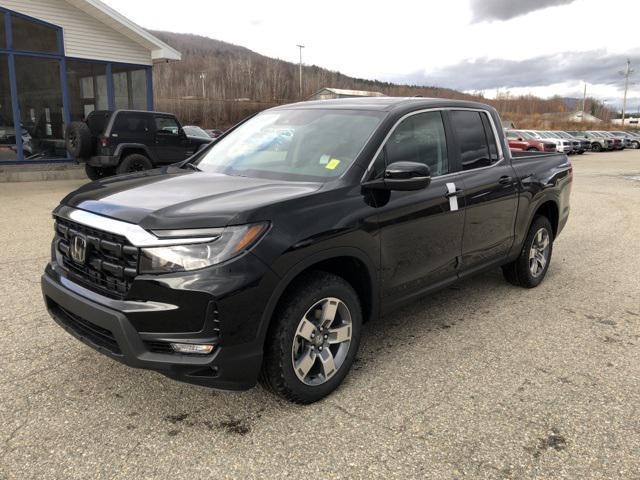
96	173
135	162
519	272
596	147
635	145
532	149
278	374
78	140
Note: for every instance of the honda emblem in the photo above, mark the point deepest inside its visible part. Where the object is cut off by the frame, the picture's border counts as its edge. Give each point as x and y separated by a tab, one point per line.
78	249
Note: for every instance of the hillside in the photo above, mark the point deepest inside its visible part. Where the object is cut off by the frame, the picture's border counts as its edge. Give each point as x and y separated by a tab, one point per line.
239	82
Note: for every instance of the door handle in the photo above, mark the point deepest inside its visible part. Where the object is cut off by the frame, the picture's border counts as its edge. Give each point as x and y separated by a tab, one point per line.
458	192
505	180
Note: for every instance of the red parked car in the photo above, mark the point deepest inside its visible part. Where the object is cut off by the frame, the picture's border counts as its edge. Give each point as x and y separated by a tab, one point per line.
519	140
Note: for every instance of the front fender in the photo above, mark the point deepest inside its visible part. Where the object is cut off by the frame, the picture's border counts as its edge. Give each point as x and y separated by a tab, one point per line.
287	279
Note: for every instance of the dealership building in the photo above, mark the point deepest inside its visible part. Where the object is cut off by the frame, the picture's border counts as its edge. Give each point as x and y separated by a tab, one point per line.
60	60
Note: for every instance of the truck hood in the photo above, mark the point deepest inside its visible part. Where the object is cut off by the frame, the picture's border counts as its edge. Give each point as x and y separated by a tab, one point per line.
176	198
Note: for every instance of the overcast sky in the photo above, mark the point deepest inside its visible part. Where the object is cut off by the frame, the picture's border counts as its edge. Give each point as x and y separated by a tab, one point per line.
544	47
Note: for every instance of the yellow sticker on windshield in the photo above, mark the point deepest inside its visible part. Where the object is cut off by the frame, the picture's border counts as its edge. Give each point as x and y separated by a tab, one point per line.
333	163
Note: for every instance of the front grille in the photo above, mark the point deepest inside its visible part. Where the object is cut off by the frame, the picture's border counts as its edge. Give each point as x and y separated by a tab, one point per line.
85	329
111	262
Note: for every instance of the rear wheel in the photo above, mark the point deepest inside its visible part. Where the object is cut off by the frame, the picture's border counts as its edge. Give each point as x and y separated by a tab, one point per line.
530	268
135	162
313	340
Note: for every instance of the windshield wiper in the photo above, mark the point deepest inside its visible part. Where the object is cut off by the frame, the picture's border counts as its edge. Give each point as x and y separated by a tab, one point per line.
191	166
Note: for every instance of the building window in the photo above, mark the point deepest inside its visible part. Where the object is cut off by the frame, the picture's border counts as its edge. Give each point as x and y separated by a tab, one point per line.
87	83
41	108
29	36
130	87
3	32
7	129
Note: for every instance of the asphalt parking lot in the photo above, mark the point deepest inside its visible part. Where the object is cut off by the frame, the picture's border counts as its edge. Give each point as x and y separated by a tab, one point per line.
482	380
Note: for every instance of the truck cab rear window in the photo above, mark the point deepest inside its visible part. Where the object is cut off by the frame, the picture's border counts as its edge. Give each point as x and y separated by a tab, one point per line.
476	141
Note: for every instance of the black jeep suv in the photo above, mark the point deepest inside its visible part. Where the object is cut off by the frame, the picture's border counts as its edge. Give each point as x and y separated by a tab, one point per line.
124	141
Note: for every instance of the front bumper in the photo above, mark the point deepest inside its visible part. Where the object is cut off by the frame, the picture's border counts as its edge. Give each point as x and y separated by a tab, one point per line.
111	326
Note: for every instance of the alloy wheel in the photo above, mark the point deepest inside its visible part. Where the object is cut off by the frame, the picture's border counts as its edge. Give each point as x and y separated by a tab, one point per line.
539	252
321	342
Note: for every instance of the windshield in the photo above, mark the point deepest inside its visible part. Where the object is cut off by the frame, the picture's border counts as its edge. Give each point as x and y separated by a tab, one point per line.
193	131
564	135
552	135
528	136
304	145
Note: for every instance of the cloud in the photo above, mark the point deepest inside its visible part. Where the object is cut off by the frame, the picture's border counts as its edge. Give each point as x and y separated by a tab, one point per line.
595	67
488	10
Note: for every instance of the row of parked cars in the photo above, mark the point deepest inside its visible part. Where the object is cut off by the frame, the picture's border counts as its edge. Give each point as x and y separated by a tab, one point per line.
571	142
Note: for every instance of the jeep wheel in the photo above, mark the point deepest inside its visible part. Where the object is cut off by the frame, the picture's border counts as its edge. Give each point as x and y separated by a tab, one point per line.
134	163
78	140
595	147
530	268
96	173
313	340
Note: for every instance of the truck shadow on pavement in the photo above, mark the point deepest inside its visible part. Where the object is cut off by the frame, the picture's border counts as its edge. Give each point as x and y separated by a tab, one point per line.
177	408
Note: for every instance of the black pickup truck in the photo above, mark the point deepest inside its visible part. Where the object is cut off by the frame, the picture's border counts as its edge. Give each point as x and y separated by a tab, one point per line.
262	255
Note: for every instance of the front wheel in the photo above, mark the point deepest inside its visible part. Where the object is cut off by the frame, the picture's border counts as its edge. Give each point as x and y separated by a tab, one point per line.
530	268
595	147
134	163
313	340
96	173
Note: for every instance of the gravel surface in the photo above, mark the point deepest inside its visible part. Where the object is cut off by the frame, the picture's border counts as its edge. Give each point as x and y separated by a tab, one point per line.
482	380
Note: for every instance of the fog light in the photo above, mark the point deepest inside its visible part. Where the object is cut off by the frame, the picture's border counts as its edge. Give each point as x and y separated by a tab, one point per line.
192	348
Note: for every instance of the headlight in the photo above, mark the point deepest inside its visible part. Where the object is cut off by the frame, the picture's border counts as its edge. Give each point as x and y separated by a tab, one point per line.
179	258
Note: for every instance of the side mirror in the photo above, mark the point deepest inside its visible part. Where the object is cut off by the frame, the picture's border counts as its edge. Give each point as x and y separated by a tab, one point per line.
403	176
520	139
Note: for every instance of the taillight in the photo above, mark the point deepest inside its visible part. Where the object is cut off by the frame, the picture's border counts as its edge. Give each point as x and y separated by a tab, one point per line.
104	142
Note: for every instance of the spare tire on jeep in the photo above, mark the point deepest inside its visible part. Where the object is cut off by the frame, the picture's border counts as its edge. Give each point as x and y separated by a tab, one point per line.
78	140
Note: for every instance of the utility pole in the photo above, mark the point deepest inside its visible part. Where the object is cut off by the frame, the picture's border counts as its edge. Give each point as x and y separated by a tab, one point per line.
626	74
584	101
203	77
300	68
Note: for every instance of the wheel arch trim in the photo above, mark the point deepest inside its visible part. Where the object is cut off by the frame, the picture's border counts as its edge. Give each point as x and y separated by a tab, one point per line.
288	278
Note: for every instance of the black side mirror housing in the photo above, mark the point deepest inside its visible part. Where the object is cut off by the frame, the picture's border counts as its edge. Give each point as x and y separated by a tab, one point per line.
403	176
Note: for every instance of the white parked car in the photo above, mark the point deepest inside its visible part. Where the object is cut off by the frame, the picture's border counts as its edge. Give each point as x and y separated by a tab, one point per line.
562	145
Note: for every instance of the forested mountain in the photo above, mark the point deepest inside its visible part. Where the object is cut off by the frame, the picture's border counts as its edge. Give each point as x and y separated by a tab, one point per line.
238	82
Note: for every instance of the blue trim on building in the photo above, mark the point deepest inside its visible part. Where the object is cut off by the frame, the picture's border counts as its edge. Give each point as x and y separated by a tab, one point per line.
149	88
13	88
11	53
111	98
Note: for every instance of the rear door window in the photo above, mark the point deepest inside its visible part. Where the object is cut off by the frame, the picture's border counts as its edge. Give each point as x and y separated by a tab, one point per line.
130	126
476	141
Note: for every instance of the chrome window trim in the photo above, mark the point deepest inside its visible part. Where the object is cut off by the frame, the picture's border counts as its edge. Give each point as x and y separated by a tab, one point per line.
137	236
499	145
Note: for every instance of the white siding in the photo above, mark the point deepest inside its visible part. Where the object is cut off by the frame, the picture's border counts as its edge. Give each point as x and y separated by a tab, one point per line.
84	36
